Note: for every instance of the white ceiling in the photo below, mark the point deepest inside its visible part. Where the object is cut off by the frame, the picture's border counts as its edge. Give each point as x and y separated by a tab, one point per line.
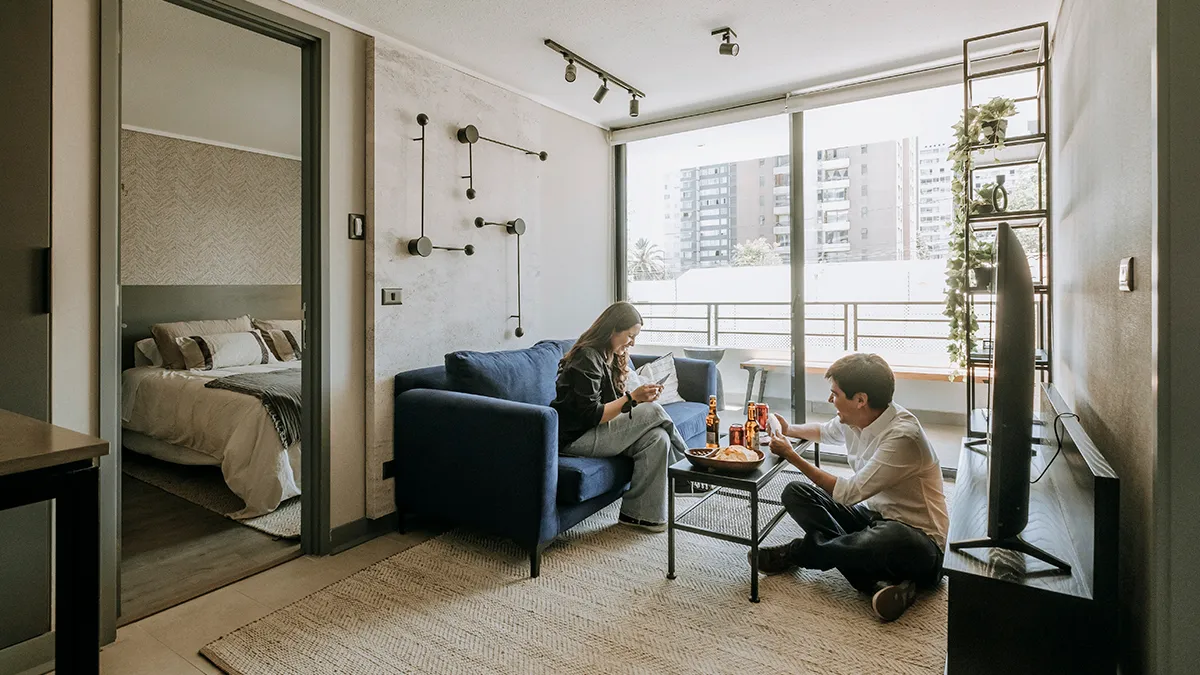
188	74
663	47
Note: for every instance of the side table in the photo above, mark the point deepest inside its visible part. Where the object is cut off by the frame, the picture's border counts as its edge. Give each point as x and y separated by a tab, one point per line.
747	487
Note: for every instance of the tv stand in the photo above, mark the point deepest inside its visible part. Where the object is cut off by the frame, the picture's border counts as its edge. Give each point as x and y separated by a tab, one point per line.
1044	602
1013	544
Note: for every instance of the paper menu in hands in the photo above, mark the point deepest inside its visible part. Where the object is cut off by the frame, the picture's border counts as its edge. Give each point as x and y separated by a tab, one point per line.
773	428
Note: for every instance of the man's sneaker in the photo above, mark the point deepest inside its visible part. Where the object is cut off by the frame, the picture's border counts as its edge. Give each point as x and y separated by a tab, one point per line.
687	488
772	559
644	524
890	602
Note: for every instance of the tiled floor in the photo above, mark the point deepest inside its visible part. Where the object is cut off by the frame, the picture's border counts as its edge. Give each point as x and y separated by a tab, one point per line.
168	643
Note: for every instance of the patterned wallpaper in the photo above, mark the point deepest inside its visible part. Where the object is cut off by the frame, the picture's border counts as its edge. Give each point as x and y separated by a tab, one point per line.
197	214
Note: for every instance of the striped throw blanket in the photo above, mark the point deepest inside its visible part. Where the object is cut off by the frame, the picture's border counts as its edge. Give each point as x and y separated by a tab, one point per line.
279	392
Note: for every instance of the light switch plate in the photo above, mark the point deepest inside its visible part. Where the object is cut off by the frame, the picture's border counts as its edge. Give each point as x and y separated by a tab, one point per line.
358	226
392	296
1125	275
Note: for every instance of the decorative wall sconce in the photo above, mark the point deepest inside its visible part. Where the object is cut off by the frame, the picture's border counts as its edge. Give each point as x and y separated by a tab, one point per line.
514	227
423	246
470	136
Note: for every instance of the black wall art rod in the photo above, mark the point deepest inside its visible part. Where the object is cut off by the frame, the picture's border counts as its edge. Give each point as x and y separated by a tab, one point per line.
423	246
469	135
514	227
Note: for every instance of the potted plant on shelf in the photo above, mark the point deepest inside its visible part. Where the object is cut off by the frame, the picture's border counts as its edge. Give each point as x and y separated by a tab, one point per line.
963	257
993	120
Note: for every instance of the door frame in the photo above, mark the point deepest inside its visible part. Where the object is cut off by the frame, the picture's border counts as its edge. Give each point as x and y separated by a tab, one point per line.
314	44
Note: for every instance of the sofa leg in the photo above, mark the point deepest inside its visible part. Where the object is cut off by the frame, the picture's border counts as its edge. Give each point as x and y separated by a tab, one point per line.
400	522
535	562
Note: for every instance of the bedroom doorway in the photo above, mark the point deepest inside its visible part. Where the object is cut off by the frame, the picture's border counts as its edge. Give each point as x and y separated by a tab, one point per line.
212	251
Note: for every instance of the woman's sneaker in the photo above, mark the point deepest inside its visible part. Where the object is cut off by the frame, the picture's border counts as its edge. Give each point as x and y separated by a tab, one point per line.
772	559
644	524
890	602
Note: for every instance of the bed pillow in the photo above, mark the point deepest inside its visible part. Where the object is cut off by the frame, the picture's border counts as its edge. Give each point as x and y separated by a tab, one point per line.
223	350
295	326
652	372
166	333
284	345
145	353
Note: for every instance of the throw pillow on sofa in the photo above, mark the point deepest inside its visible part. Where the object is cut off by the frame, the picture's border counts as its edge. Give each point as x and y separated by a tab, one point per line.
664	366
523	375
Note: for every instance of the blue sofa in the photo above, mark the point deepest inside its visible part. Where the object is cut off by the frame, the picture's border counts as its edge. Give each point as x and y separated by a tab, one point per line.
476	444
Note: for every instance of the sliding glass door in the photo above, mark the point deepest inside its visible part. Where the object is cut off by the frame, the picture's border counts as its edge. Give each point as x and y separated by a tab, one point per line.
708	254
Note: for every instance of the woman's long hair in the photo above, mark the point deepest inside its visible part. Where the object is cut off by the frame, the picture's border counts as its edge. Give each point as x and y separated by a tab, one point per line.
618	317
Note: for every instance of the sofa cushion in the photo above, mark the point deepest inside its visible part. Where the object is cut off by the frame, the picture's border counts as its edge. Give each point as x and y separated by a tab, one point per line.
581	478
689	418
523	375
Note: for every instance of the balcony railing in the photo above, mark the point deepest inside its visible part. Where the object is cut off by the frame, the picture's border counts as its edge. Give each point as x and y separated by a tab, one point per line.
910	334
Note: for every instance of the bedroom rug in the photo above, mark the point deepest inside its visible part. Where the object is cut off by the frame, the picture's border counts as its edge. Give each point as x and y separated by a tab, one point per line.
463	603
204	486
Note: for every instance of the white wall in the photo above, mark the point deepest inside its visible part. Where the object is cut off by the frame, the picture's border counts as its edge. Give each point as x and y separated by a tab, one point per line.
192	75
1102	192
452	301
75	218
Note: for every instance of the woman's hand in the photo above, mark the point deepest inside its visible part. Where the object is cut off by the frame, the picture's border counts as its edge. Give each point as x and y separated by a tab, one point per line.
646	392
783	425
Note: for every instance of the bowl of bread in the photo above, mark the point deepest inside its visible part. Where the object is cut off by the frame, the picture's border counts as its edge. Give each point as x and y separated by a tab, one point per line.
730	458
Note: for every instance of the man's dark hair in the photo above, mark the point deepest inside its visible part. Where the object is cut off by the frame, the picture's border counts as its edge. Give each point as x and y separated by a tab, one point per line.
865	373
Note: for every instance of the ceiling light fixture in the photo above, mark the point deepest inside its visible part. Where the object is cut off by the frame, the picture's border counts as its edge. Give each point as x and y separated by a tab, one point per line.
574	60
727	48
601	92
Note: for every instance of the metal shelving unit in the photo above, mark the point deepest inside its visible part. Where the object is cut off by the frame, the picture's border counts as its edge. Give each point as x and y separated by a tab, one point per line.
986	60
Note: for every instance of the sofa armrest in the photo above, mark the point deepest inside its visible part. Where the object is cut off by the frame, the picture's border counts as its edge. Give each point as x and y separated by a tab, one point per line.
478	461
697	379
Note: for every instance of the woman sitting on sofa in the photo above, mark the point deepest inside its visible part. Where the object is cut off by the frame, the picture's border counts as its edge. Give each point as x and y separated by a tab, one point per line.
597	417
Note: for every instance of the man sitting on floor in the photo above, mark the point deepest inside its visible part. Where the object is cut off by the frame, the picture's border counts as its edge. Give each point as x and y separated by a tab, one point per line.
883	528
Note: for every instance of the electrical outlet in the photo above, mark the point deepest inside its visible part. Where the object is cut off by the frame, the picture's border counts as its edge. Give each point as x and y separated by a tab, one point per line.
358	226
391	296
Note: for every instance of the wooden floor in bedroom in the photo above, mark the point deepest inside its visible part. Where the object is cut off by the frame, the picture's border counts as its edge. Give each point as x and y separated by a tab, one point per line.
173	550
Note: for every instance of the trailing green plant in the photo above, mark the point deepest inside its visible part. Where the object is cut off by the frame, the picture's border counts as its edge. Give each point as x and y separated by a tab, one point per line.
968	131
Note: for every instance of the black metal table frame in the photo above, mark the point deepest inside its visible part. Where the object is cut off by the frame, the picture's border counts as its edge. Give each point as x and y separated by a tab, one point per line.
731	482
76	487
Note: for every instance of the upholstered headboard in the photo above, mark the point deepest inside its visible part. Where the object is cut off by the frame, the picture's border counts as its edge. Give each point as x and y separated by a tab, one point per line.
144	306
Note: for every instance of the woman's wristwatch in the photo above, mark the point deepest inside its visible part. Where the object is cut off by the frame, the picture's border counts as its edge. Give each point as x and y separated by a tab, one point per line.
629	404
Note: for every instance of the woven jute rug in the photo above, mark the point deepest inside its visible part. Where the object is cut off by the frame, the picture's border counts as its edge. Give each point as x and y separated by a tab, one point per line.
204	486
463	603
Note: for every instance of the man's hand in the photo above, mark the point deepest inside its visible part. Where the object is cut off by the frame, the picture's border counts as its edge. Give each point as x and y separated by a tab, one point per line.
783	425
781	446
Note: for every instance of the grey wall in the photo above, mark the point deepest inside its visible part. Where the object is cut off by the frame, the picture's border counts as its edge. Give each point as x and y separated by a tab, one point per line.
452	301
1101	85
198	214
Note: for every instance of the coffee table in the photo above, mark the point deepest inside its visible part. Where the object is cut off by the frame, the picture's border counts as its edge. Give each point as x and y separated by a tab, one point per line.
752	488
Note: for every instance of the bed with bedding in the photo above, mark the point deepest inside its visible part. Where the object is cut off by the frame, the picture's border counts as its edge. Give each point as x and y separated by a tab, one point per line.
228	395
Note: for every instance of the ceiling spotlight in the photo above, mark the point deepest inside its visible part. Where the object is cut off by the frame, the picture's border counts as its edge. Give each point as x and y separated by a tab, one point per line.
601	92
633	106
727	48
570	74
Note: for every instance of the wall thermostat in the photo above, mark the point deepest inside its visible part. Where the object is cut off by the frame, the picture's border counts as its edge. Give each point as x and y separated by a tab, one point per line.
1125	275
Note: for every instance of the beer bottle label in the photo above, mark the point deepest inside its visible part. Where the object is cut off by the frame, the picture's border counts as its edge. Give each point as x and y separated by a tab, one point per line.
711	439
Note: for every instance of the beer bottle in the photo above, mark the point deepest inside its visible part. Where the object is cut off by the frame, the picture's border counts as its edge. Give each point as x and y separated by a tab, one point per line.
752	425
712	424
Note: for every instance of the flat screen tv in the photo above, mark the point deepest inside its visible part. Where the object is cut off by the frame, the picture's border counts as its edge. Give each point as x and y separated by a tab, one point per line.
1011	433
1010	438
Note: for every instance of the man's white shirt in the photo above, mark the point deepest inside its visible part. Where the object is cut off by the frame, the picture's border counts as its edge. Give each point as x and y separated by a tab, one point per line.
896	471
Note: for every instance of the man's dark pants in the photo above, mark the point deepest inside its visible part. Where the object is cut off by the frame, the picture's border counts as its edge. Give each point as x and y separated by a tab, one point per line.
861	544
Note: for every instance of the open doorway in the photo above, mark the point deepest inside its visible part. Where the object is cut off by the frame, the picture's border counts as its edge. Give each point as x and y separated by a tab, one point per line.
213	288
